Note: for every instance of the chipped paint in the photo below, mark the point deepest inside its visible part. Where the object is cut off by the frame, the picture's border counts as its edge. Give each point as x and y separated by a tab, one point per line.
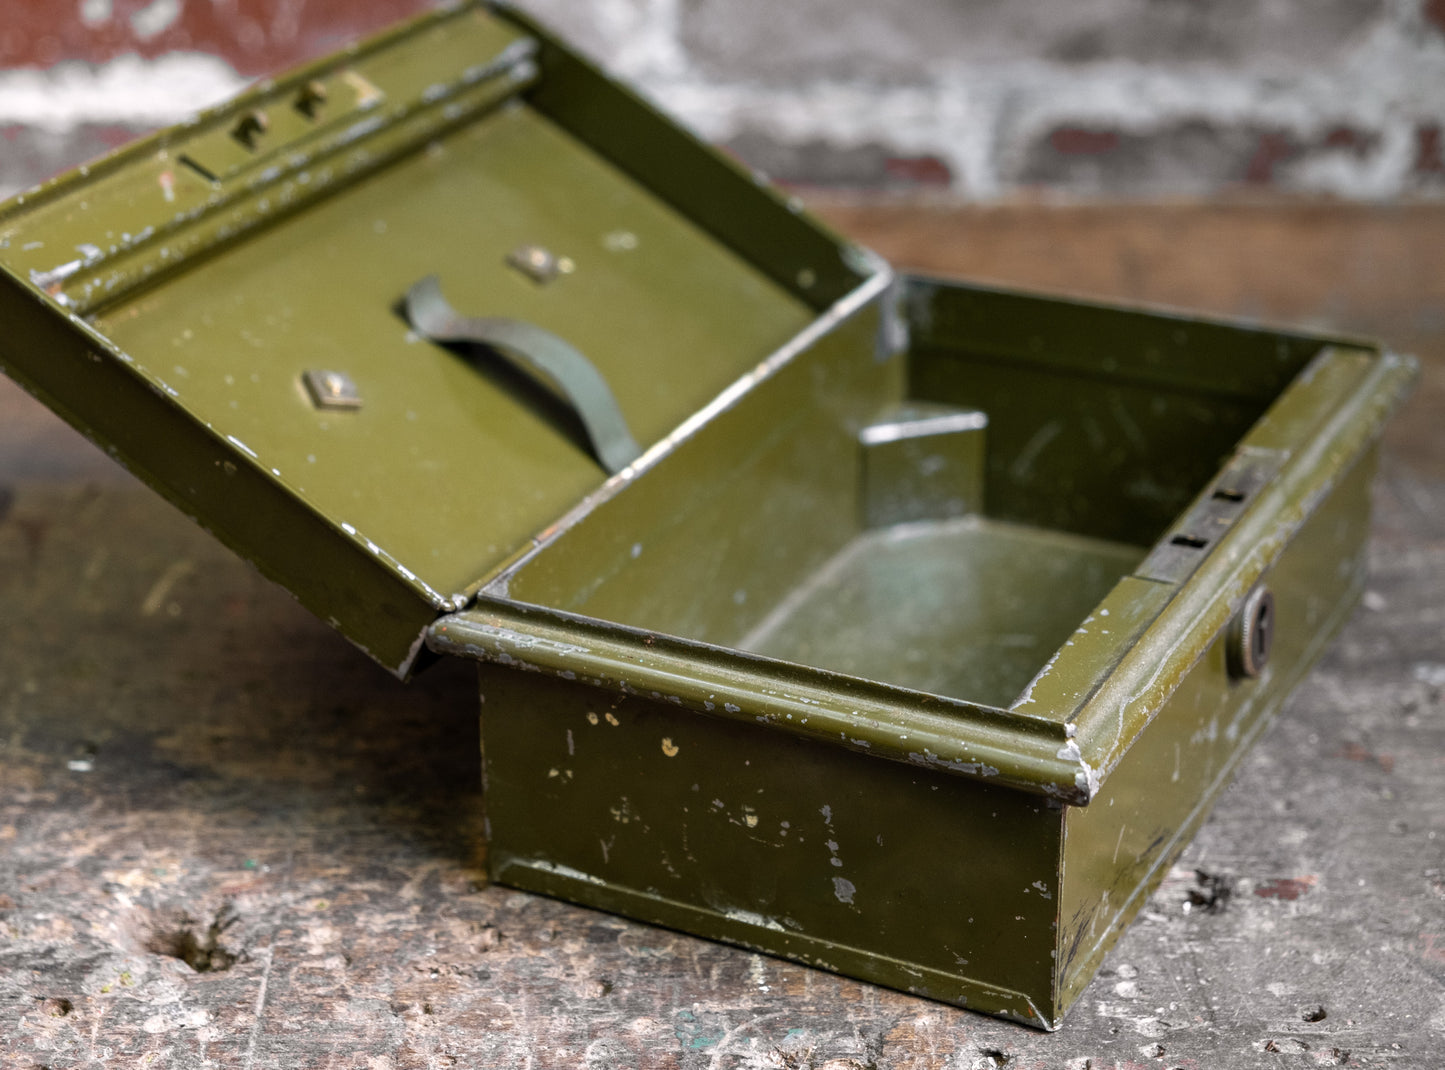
560	870
748	917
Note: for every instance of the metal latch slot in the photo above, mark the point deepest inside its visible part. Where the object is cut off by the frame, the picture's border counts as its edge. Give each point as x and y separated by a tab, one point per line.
1176	556
332	109
542	357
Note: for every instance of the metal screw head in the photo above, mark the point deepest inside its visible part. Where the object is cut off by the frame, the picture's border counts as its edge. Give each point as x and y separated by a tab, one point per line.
539	264
331	390
1251	634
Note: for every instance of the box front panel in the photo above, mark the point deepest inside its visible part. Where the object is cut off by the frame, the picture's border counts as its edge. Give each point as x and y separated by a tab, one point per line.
916	880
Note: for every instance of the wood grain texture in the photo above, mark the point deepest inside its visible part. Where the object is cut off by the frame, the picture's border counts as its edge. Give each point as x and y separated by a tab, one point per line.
228	840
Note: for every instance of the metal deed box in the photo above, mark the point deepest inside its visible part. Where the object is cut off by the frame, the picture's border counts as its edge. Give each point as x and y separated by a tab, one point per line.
916	625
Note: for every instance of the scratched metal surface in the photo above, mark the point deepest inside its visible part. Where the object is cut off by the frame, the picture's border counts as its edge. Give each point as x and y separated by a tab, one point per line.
226	839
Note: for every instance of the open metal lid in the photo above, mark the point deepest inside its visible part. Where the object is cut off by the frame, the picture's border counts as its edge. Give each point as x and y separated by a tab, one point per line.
224	307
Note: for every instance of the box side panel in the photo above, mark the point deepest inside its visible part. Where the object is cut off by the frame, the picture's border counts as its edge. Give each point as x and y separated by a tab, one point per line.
76	374
1119	847
1105	421
1171	349
912	879
707	541
1084	453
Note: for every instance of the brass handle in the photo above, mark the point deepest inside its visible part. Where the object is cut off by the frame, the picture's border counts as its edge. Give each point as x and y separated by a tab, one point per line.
539	354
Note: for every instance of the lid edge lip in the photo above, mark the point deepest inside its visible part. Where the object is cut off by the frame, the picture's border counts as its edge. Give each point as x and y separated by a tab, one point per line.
937	733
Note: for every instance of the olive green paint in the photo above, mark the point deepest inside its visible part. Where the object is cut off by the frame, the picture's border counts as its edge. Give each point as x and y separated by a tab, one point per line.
722	690
217	297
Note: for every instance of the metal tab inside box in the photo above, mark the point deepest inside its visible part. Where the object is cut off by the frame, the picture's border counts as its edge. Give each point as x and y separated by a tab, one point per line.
923	629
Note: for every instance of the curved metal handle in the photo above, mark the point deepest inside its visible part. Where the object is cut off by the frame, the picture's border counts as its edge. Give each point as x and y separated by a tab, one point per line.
539	354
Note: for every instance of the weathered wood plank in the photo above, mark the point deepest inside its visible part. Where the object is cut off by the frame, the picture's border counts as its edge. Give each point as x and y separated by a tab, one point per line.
183	750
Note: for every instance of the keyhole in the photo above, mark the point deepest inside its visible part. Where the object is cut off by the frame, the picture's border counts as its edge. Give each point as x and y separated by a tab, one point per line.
1263	625
1251	635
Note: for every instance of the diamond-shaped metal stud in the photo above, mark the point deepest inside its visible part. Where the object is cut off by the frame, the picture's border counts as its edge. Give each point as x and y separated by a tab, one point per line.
331	390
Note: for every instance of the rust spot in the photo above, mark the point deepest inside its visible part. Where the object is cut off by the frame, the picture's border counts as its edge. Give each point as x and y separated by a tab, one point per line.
1083	141
1290	888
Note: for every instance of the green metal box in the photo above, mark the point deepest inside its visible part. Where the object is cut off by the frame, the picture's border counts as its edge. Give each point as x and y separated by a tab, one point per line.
901	627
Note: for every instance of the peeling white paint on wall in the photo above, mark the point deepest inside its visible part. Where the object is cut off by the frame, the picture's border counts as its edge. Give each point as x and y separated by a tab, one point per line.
982	117
96	12
127	90
981	95
155	18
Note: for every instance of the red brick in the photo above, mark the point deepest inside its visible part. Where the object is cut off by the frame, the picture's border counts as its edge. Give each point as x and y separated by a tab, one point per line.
1350	139
1083	141
919	170
1271	150
1434	12
1429	152
254	36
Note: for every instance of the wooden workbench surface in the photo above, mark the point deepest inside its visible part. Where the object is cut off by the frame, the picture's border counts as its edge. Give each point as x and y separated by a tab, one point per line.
227	839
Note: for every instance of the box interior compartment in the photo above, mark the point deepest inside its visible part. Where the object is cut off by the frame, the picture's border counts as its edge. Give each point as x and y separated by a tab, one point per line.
1079	472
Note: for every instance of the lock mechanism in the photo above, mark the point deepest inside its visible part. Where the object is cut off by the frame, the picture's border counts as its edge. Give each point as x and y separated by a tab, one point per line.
1251	634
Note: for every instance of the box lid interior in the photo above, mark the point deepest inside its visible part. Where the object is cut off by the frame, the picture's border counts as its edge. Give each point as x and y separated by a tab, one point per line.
217	267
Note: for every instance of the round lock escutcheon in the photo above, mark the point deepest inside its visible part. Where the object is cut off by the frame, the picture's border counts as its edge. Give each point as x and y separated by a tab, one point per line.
1251	634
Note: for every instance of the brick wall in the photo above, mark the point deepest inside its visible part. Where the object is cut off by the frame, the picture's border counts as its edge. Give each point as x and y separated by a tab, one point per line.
990	99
